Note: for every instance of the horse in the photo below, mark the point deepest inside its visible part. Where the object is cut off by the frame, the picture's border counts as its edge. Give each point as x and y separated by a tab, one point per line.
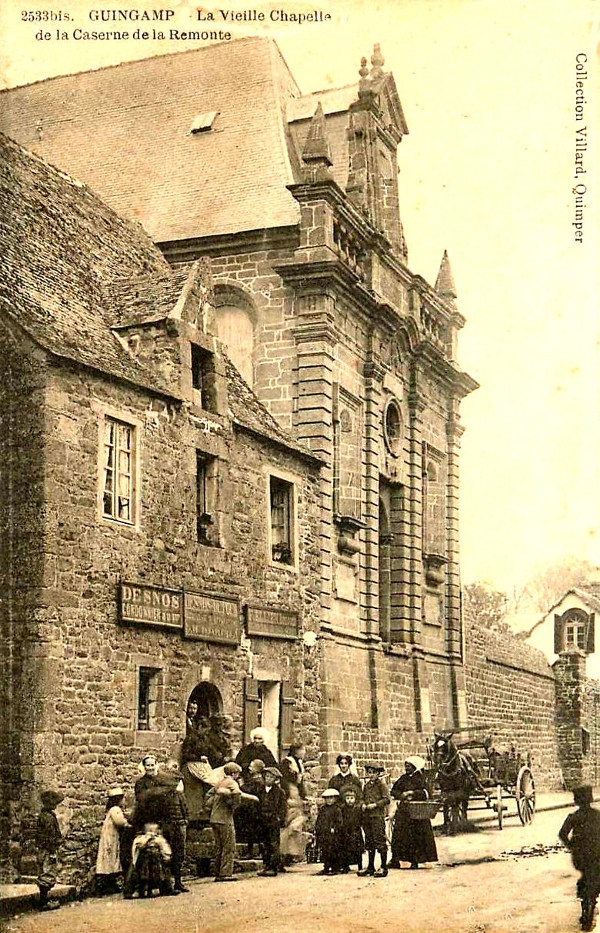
457	774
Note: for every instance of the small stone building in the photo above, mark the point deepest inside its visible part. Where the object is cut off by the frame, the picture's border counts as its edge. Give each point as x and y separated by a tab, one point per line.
159	531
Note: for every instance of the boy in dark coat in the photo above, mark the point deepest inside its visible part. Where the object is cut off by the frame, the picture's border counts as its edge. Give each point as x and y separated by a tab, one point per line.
580	833
376	799
352	843
48	838
272	810
328	832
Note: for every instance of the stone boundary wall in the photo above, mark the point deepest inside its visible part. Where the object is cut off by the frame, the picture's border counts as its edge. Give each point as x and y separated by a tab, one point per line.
510	691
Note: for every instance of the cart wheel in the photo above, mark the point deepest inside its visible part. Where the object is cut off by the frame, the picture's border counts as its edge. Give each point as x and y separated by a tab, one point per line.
525	795
499	806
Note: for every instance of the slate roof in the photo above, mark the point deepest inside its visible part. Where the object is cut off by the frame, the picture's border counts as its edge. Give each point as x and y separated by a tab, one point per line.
60	246
177	184
71	271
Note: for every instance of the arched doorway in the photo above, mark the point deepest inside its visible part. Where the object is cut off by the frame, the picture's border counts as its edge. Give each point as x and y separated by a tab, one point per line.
207	699
207	728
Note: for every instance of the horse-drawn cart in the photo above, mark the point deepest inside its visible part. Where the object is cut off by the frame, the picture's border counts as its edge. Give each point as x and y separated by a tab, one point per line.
472	769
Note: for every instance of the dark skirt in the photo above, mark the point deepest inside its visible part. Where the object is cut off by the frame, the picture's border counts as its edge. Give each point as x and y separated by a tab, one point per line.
412	840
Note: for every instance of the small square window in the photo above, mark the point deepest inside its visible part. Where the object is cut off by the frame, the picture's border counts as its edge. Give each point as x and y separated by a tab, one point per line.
118	485
203	377
281	493
146	698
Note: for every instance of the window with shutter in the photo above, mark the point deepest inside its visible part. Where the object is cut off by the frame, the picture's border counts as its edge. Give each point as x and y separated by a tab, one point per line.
288	700
251	707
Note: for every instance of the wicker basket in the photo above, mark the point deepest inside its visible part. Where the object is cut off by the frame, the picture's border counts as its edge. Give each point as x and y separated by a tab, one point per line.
422	809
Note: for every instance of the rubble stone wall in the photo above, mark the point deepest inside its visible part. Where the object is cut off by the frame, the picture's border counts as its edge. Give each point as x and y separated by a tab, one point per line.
78	710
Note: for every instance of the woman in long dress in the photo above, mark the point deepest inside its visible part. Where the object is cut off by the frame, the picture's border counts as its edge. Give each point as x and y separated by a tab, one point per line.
293	836
412	840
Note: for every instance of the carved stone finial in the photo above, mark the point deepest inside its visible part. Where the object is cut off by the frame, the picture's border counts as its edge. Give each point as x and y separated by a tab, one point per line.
364	68
444	284
316	153
377	61
316	146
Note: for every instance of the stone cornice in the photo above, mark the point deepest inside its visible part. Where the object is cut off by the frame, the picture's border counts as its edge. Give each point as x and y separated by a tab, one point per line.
287	237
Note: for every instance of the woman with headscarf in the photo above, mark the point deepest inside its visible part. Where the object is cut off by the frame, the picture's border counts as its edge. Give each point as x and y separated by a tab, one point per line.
256	748
412	840
346	778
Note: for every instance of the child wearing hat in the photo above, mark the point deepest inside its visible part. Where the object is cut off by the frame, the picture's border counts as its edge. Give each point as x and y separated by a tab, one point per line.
272	812
580	833
352	843
48	838
108	862
225	797
376	799
328	832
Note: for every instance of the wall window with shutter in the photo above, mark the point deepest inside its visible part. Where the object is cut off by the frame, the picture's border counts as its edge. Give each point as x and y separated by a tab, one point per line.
147	694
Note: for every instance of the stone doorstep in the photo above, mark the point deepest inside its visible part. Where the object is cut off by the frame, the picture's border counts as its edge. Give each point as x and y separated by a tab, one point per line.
17	897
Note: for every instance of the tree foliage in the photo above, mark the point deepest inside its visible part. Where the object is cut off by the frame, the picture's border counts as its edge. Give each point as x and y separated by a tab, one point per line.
548	584
485	604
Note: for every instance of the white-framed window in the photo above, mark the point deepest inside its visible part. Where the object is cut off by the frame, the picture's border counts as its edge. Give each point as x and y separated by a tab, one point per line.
575	632
282	518
118	489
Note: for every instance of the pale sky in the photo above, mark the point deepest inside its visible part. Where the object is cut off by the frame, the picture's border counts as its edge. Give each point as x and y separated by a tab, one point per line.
487	172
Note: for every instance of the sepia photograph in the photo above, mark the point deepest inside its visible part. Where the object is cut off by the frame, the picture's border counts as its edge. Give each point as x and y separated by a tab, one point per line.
300	466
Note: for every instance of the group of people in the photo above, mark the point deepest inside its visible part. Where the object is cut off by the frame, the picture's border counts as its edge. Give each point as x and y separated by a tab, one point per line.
352	820
265	802
253	799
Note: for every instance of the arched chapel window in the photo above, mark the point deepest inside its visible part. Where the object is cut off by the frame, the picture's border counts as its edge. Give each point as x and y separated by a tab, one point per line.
235	319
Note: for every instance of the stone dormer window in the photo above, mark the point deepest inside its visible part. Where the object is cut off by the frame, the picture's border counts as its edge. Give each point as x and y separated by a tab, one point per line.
203	378
204	122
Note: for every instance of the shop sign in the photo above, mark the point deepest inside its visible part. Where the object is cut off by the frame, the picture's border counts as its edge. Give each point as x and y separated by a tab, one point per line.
150	605
272	623
211	618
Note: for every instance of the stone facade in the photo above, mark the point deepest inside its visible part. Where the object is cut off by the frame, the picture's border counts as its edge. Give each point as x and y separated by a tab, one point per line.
111	621
356	356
